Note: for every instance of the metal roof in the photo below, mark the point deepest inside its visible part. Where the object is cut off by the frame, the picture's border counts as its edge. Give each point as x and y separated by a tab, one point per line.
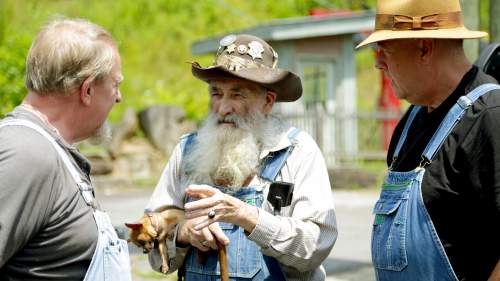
297	28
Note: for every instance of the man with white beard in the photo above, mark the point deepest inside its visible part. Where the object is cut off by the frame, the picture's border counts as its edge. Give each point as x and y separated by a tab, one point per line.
246	179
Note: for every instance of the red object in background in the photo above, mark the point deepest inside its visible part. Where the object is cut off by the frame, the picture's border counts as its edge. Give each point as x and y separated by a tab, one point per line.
390	105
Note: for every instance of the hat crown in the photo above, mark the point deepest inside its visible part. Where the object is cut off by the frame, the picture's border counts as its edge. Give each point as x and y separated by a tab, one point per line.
245	51
417	7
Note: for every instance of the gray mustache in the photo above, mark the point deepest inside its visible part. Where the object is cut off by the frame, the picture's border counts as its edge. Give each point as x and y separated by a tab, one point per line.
230	118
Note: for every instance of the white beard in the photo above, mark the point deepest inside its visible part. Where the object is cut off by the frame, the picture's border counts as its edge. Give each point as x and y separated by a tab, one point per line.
228	156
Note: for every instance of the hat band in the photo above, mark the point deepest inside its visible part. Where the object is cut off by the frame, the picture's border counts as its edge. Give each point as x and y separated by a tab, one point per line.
235	63
428	22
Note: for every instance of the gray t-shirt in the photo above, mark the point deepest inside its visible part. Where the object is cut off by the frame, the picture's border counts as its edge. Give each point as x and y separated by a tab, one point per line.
47	231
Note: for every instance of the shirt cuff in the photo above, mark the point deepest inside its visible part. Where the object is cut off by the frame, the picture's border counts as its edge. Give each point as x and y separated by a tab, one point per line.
265	230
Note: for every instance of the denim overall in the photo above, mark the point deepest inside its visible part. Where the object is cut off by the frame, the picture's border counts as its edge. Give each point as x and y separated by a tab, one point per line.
110	260
245	260
405	244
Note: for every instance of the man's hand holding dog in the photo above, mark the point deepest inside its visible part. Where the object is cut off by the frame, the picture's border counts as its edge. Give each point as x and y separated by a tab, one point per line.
224	207
201	238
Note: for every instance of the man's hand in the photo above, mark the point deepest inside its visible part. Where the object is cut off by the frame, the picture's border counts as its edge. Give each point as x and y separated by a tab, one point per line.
197	237
224	207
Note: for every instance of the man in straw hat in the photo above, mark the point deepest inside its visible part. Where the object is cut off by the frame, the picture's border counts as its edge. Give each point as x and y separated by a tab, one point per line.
438	216
225	172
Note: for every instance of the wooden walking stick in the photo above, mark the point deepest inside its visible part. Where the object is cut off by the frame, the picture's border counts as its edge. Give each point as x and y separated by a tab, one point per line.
224	272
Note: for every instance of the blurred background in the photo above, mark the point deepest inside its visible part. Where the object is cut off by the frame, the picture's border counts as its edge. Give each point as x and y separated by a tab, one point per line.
347	106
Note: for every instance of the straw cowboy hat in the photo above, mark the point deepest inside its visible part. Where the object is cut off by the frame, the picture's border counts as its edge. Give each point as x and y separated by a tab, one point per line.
251	58
397	19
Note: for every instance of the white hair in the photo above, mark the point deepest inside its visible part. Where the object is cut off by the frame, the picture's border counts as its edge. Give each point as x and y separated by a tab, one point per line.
231	154
65	53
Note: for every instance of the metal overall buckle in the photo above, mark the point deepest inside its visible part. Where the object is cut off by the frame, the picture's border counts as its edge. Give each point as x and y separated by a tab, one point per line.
424	162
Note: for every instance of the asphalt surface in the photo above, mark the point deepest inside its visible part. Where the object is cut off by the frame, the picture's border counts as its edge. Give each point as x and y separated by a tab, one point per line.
348	261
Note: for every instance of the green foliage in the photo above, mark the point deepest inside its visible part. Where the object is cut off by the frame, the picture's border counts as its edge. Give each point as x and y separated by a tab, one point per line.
12	56
154	37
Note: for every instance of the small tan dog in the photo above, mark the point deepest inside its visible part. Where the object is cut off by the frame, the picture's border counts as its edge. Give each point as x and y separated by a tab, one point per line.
156	226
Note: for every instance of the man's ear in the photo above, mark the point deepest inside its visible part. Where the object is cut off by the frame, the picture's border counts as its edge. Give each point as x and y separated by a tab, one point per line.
86	91
270	100
426	48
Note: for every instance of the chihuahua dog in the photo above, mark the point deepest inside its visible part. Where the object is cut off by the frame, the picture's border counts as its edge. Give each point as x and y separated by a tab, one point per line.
154	227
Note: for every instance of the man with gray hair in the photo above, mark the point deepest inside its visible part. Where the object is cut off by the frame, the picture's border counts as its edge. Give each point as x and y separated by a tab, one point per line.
262	187
438	214
50	225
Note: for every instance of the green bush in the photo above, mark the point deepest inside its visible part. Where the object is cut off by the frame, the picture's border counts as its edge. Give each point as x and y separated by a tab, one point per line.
154	37
12	57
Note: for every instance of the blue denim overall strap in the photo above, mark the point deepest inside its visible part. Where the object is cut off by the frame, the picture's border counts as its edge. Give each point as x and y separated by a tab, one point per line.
449	122
402	139
110	260
245	259
453	117
275	160
405	244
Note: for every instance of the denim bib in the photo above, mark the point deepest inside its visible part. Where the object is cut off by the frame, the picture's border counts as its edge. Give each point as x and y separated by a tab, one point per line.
245	259
405	244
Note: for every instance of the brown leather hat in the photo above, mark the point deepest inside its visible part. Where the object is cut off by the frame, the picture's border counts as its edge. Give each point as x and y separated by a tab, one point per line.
251	58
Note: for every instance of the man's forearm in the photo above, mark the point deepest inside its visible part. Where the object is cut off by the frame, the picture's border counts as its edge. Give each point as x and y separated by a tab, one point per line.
249	218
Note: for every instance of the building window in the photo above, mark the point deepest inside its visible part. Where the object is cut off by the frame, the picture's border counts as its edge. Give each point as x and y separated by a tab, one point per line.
317	77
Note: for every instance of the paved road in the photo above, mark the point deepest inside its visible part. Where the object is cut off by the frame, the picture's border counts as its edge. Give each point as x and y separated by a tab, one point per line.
348	261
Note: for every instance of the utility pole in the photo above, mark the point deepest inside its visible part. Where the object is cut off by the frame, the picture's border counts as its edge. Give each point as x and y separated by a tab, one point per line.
472	20
494	20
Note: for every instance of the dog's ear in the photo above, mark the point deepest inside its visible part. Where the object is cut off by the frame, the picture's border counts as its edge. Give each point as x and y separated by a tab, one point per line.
134	226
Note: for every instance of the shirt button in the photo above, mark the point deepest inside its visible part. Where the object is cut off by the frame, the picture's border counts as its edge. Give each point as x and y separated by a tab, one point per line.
258	188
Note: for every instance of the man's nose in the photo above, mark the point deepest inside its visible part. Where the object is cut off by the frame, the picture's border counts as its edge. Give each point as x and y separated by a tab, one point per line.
119	97
380	65
225	108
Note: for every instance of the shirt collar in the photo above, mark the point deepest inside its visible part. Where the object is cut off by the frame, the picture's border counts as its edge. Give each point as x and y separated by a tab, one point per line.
283	143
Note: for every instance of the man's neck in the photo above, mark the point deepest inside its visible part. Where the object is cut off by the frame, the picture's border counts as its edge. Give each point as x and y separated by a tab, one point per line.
445	83
56	112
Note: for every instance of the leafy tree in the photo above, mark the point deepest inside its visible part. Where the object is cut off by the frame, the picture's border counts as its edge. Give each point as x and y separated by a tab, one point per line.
12	57
154	37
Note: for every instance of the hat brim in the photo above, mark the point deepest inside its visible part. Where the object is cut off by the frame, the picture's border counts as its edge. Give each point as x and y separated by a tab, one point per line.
286	84
448	33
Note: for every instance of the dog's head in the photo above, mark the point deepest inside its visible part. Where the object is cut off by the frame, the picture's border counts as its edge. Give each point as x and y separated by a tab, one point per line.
142	234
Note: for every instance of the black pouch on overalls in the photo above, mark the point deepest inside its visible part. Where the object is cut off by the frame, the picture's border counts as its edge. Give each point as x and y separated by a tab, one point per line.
280	195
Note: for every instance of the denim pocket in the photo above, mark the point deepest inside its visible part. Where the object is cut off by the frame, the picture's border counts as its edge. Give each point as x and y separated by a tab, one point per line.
244	258
116	260
389	230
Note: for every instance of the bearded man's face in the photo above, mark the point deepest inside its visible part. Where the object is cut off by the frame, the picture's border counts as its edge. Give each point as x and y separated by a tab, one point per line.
238	97
229	143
